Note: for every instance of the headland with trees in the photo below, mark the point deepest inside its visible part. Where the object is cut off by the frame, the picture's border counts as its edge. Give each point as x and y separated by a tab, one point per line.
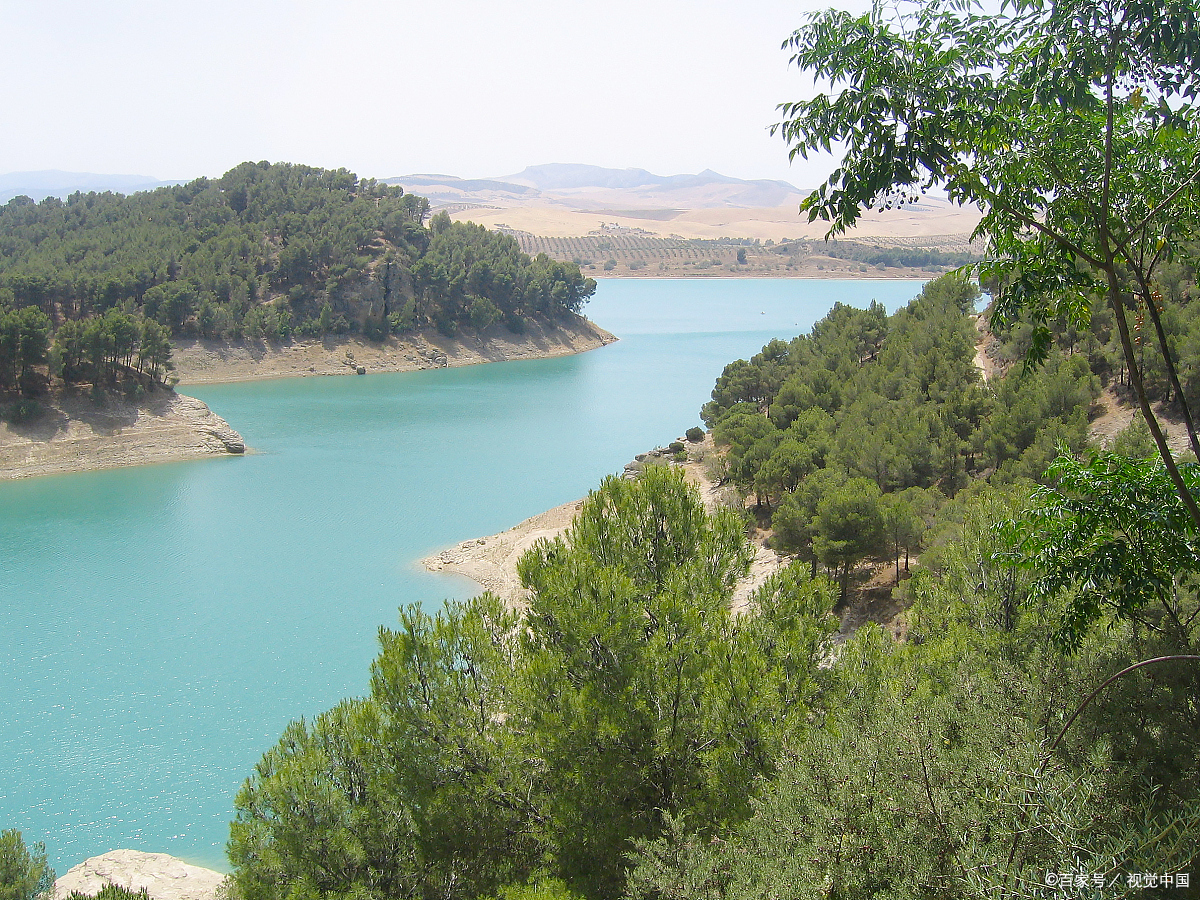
94	290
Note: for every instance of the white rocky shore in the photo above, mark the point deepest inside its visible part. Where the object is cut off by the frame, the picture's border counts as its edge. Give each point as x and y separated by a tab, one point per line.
72	433
210	362
164	877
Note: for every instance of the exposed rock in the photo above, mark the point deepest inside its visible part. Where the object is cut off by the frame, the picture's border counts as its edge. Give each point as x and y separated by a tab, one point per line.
231	439
75	434
164	877
208	362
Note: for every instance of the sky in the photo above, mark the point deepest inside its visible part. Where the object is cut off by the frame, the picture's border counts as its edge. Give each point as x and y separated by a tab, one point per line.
177	89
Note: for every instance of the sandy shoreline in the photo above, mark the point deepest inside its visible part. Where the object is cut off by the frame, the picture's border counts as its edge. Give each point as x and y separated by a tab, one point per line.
74	434
215	362
491	562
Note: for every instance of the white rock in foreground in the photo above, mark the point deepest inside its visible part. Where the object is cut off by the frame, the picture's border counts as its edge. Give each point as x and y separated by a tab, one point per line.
164	877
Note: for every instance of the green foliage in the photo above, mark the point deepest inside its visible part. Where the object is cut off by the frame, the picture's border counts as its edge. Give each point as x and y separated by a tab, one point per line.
262	252
849	525
470	274
628	734
496	750
893	400
542	889
925	771
695	434
102	349
24	341
111	892
1114	537
1081	155
24	873
23	411
330	812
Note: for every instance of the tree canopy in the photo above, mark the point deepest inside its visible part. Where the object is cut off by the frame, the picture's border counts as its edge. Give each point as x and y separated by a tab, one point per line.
1071	124
265	252
498	749
24	872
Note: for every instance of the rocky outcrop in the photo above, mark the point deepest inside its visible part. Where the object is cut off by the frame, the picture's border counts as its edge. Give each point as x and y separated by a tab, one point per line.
164	877
74	433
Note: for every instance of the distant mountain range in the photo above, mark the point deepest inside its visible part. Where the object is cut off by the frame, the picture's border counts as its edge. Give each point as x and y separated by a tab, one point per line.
596	188
574	186
54	183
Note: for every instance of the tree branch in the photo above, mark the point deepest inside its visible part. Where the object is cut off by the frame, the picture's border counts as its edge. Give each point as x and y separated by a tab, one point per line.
1135	375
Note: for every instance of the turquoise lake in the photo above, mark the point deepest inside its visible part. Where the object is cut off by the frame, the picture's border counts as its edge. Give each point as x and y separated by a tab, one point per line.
160	626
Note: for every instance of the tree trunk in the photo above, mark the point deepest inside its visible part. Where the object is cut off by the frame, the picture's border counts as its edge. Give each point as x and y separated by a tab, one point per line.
1135	376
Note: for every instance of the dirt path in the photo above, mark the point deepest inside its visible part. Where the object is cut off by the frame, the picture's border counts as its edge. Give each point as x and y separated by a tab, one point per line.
987	351
1117	413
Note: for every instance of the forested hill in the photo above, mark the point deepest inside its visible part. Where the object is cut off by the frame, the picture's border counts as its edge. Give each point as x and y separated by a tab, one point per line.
268	251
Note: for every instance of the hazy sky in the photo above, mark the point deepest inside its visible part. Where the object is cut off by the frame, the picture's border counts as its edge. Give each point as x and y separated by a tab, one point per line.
179	88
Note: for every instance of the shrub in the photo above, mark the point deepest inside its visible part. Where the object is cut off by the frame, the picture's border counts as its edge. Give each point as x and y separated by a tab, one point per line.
695	434
23	411
376	328
112	892
484	313
24	872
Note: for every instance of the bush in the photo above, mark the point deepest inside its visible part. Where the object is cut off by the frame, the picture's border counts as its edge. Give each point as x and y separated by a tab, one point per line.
376	328
675	447
24	873
484	313
23	411
694	434
112	892
545	889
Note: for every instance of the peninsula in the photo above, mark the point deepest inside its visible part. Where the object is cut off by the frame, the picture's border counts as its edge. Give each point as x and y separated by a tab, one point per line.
271	270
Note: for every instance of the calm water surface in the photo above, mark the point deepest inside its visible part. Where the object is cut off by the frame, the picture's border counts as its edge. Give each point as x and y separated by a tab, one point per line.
160	626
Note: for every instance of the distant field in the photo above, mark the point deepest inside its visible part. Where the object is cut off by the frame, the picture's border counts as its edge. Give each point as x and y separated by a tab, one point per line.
623	252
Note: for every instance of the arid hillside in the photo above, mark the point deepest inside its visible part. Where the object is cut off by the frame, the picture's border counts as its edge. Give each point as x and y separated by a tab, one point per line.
615	222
